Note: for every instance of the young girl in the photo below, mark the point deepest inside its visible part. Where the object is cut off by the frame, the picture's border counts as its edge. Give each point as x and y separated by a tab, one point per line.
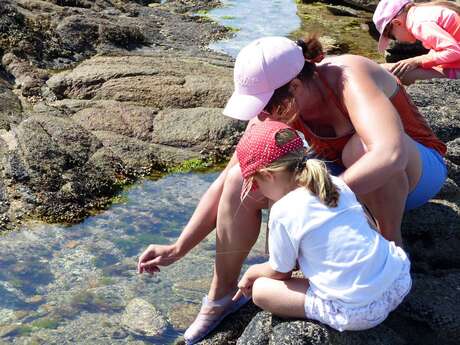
355	277
436	24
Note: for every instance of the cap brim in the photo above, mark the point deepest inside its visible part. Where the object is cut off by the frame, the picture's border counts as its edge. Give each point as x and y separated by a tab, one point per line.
383	43
246	107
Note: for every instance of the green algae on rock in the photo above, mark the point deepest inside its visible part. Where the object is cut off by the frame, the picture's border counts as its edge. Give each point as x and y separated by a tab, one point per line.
350	32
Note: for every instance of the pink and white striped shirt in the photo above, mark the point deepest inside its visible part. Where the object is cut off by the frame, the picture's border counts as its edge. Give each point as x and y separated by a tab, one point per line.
438	28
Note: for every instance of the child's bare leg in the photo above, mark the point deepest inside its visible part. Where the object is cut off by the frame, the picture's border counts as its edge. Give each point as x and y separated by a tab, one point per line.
422	74
387	66
417	74
238	226
285	298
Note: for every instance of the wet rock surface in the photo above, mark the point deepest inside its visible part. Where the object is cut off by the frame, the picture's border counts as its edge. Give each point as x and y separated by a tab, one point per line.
72	133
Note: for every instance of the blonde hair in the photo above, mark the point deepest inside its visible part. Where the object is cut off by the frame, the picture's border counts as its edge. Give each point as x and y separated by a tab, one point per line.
310	173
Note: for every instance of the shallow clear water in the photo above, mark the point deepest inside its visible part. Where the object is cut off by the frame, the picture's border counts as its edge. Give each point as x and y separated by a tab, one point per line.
71	285
254	19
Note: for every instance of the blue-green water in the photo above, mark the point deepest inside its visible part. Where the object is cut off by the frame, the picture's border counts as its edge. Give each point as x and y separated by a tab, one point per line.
72	285
254	19
62	285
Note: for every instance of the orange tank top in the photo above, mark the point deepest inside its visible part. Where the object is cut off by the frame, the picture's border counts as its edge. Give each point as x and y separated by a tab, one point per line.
414	125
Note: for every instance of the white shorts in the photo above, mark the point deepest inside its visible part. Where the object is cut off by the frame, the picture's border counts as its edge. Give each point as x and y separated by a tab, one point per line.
343	317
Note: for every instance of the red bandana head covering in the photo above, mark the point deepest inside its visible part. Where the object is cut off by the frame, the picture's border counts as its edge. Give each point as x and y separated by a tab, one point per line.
258	148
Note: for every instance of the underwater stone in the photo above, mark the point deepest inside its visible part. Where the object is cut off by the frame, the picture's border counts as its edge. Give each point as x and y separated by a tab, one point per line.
142	318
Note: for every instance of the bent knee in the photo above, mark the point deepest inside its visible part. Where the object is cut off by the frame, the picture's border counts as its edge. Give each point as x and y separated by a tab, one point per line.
234	179
233	184
261	291
353	150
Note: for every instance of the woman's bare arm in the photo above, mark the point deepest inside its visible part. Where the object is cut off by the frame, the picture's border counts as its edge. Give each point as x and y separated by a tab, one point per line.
377	123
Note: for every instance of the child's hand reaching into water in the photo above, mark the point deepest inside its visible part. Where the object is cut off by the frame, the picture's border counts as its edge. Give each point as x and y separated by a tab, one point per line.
157	255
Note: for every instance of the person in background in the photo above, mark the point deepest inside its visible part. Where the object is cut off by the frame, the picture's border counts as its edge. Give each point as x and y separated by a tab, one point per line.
354	276
435	24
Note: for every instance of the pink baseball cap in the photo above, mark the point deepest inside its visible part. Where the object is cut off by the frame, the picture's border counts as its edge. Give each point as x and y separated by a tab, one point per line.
384	13
258	148
260	68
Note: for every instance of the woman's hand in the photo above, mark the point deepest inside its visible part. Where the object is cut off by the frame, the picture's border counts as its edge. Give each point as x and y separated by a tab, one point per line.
400	68
157	255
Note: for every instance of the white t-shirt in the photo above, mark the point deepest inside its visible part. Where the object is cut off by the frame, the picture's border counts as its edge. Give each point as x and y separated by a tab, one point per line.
343	258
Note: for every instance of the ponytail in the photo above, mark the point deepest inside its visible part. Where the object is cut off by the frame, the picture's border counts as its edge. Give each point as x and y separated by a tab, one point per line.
308	172
312	48
315	177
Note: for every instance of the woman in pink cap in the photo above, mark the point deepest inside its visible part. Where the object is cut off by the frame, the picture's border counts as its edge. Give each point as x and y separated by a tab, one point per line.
436	24
352	112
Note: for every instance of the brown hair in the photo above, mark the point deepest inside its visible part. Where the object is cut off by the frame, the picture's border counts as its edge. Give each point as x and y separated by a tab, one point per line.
282	106
310	173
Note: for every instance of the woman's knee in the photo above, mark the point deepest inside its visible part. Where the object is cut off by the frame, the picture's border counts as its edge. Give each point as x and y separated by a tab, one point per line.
234	179
232	191
387	66
353	150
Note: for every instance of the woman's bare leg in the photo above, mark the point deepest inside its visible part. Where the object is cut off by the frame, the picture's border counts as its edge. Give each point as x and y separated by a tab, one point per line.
387	206
238	226
387	203
285	298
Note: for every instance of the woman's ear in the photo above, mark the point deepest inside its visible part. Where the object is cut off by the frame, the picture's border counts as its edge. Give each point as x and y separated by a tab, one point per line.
295	85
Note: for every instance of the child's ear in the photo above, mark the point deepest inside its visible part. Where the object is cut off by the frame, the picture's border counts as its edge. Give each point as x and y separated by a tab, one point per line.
266	175
397	22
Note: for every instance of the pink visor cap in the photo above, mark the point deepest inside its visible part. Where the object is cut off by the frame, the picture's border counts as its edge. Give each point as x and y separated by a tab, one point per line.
384	13
260	68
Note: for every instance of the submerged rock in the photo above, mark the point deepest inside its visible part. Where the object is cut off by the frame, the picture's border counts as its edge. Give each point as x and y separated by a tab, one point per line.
182	316
141	318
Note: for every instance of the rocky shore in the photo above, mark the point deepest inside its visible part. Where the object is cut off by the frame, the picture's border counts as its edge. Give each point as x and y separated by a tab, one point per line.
94	94
97	93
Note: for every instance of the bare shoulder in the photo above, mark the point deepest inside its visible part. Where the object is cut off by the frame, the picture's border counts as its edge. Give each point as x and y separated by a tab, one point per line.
354	70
